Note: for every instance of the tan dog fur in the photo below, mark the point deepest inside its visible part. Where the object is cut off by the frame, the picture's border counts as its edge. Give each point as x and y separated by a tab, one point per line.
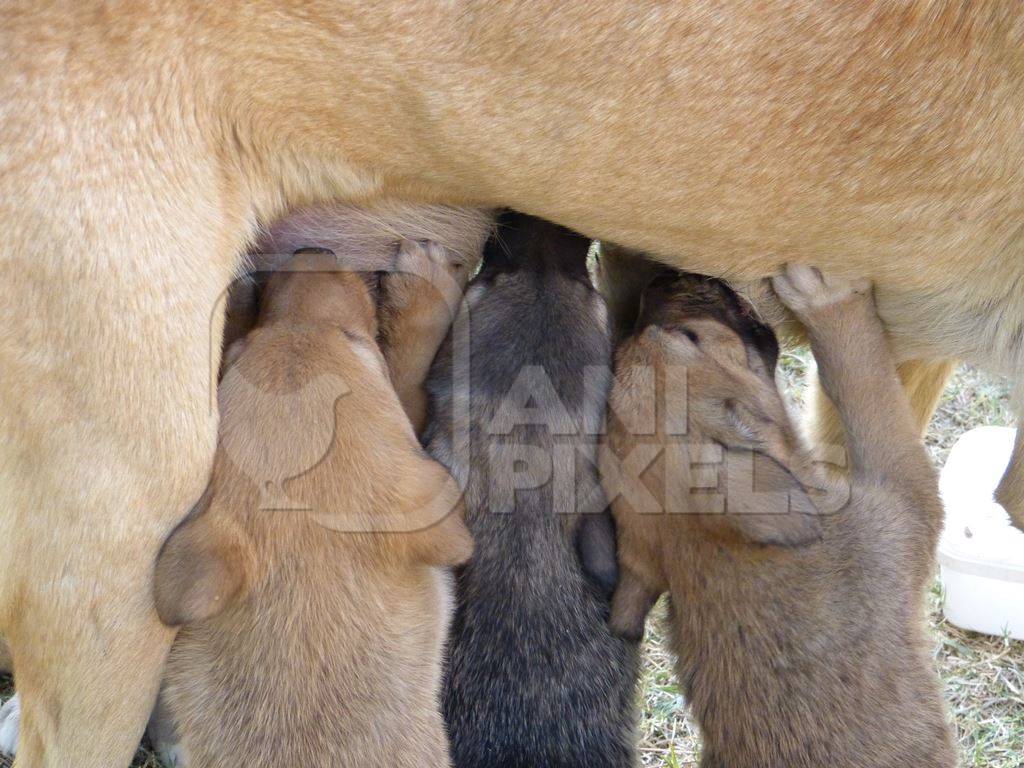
417	293
305	645
143	142
790	657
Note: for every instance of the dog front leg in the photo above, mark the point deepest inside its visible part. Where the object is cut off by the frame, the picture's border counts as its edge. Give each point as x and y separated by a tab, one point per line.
1010	492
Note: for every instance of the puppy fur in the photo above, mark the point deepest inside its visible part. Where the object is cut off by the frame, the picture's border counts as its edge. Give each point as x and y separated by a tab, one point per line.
420	256
790	656
312	633
624	274
534	677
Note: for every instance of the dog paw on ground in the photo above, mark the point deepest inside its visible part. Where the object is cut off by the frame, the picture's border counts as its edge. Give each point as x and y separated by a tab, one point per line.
171	755
10	719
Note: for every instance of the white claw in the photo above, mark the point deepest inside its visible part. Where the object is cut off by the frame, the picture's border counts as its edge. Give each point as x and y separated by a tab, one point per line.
171	755
10	720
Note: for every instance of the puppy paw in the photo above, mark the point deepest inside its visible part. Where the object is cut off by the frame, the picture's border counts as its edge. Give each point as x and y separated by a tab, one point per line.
10	721
418	262
806	291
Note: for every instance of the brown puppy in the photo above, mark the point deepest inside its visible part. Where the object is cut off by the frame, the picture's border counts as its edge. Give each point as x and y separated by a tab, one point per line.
312	629
422	256
624	274
142	143
800	657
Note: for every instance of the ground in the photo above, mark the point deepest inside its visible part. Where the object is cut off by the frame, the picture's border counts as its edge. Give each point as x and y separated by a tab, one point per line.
983	676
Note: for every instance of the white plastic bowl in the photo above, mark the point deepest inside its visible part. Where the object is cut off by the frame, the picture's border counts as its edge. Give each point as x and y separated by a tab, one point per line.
981	555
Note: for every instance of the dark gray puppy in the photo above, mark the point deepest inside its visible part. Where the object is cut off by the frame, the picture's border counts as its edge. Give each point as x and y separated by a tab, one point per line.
535	677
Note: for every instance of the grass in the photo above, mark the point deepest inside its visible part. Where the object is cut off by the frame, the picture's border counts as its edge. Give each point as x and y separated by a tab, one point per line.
983	676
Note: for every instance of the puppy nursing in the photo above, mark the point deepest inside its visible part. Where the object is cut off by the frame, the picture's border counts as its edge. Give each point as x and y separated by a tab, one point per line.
420	257
310	580
312	634
790	656
313	630
535	678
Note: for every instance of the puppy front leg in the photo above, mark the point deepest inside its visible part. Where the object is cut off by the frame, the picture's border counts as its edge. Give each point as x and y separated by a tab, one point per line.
859	375
923	380
418	301
631	603
595	546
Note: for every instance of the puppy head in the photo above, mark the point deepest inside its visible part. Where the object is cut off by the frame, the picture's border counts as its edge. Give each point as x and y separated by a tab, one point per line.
526	243
209	562
700	324
312	288
406	507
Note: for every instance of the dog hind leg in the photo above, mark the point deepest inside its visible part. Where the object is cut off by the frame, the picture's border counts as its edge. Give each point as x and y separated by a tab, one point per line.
107	433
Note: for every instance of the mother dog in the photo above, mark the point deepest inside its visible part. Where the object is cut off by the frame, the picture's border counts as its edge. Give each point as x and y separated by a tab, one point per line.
142	142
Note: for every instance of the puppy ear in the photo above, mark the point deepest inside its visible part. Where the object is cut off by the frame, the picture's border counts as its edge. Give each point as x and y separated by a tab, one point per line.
446	544
199	572
442	538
